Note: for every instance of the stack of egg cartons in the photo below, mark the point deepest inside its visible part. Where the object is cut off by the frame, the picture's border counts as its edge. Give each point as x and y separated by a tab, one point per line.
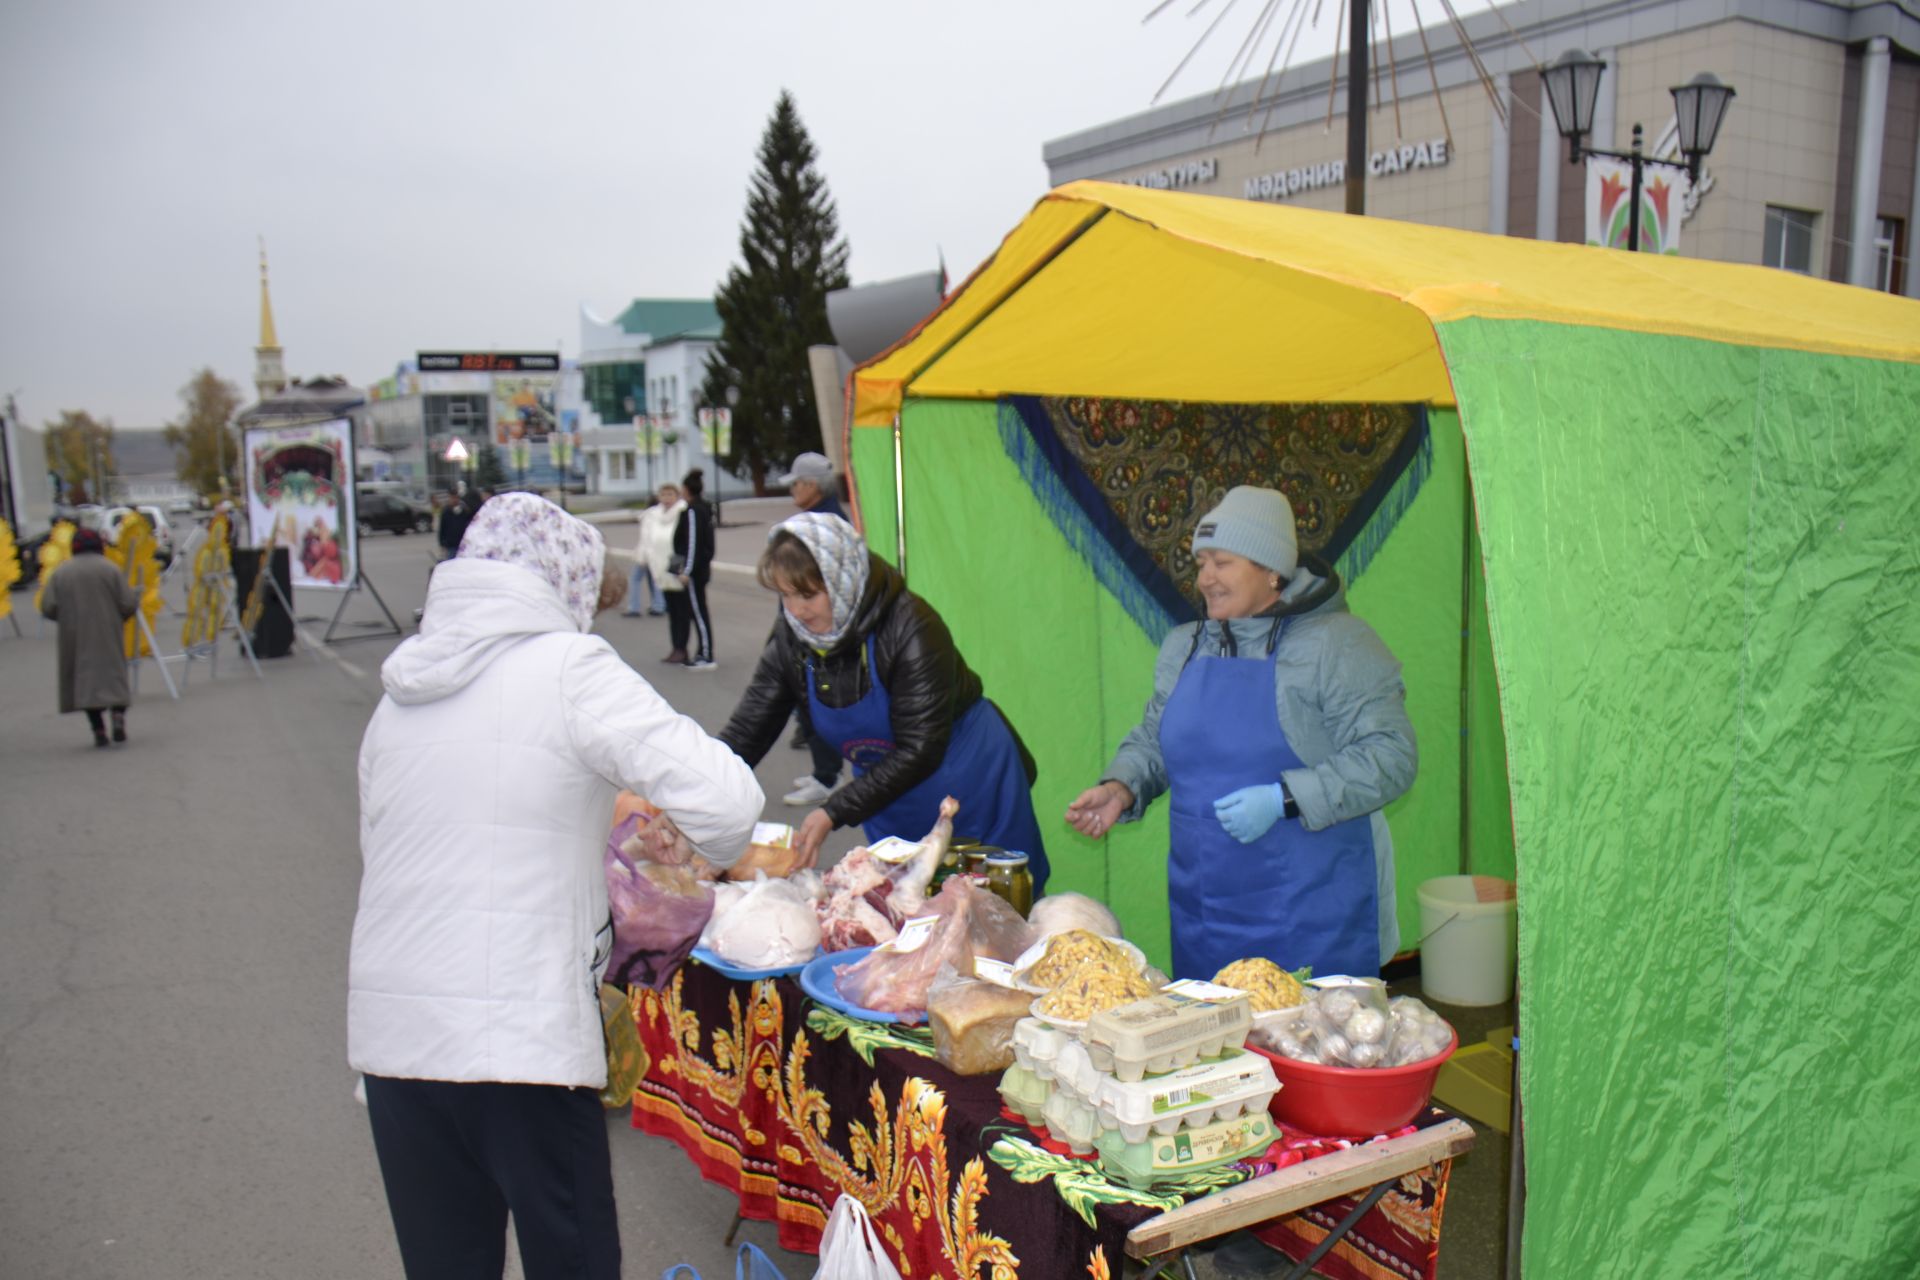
1158	1088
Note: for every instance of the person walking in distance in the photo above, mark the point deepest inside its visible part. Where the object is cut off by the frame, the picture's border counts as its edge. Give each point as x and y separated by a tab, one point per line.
692	564
90	599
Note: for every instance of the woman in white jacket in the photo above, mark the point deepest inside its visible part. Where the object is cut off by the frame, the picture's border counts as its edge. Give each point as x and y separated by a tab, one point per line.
487	783
653	550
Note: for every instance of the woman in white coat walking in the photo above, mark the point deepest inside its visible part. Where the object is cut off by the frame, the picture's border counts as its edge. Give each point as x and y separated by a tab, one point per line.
653	550
487	783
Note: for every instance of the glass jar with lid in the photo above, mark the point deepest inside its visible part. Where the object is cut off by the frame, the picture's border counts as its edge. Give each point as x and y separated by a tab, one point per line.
1009	877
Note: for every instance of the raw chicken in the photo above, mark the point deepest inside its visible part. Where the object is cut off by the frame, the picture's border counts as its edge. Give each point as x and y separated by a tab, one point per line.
868	900
772	927
910	887
973	922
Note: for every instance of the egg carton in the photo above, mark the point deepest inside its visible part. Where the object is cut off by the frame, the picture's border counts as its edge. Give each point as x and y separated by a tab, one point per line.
1025	1094
1168	1031
1037	1046
1193	1096
1168	1157
1070	1120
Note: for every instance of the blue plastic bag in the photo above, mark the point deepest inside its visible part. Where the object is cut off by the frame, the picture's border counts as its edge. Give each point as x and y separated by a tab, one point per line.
751	1263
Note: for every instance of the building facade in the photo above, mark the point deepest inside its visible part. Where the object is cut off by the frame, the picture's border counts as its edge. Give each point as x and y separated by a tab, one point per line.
641	375
1816	168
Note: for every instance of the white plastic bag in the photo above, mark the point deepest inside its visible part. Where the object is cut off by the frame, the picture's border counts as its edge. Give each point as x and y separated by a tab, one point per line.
850	1248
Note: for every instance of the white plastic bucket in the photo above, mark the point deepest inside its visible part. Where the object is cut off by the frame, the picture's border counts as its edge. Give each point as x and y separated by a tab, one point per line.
1467	939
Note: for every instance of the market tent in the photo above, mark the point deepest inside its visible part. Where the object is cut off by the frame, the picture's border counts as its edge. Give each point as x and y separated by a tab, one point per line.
1687	704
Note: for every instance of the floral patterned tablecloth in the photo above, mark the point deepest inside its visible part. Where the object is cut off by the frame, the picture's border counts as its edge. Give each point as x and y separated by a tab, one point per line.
789	1105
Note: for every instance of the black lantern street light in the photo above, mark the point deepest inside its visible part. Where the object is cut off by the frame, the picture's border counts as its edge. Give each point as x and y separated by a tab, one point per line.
1699	107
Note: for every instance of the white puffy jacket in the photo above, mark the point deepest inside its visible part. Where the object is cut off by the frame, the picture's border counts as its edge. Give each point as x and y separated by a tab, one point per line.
487	782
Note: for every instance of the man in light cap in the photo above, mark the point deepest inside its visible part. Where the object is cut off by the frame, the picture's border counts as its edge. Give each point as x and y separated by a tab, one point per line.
1279	724
812	484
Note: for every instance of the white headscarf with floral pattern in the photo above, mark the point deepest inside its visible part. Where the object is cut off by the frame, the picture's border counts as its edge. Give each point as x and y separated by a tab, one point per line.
528	531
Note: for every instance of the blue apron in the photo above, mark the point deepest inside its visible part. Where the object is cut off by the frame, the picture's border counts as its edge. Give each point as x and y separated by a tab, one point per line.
981	770
1295	896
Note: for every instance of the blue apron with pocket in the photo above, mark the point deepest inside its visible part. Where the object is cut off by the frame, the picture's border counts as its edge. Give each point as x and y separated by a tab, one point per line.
1295	896
981	770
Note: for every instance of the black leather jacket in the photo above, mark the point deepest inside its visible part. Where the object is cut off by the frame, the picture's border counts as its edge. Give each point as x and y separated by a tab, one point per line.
928	685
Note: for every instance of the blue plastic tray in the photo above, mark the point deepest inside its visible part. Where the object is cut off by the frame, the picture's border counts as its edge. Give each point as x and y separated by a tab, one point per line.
817	980
738	974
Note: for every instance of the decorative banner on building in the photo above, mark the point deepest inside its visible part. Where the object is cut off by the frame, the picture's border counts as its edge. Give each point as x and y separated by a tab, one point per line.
716	428
300	496
523	407
1663	201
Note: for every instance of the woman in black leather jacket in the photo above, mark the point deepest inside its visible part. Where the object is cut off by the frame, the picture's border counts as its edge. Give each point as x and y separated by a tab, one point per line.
874	670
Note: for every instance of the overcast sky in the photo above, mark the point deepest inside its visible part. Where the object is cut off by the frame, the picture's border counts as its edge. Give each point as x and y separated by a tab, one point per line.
466	175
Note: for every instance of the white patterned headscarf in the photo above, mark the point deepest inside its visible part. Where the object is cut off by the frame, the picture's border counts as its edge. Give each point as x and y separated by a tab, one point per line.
841	553
528	531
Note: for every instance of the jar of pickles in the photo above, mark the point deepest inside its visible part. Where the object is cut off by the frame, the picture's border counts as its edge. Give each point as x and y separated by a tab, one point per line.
1009	877
951	864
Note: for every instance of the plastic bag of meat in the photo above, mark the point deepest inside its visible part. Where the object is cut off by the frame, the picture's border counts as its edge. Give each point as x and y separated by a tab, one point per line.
772	927
868	898
970	922
658	911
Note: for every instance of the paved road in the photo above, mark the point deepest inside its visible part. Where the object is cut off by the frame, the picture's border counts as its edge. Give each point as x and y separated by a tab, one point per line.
174	915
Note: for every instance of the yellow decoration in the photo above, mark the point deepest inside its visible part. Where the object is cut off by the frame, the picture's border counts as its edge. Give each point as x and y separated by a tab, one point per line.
1097	1265
133	552
207	596
9	568
1099	273
54	552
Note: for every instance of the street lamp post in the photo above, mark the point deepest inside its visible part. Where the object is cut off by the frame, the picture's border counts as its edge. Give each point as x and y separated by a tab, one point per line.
457	454
1699	107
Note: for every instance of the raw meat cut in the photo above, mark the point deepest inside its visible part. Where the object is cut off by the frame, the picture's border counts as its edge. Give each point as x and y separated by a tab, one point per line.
868	900
973	922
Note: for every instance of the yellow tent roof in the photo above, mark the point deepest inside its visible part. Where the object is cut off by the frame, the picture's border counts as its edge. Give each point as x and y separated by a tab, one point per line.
1129	292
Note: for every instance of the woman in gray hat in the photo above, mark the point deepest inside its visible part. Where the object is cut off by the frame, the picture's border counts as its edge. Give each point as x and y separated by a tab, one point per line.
1279	725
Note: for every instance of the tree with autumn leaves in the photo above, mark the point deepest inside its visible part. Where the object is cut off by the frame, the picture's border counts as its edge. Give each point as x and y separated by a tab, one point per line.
205	448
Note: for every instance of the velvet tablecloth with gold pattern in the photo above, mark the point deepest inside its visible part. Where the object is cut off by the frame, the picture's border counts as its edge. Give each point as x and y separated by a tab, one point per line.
788	1105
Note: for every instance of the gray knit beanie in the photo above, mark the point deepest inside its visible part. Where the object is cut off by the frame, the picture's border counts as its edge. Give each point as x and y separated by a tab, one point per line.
1255	523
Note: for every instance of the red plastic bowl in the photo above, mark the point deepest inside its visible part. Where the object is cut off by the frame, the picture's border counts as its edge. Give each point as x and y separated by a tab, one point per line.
1352	1102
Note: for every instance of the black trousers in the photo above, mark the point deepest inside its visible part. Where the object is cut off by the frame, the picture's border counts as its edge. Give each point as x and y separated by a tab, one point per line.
826	757
457	1158
687	620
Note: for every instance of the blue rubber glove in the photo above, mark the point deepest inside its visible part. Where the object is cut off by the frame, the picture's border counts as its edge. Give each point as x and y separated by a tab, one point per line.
1248	813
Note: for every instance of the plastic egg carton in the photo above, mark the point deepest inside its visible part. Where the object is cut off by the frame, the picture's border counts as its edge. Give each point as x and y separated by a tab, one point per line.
1025	1094
1070	1120
1188	1098
1164	1158
1166	1032
1037	1046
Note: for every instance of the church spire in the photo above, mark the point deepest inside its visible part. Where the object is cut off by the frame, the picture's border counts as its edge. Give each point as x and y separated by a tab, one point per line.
269	375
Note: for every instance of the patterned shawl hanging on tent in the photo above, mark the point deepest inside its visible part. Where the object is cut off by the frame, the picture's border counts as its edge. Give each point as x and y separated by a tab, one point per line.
1125	480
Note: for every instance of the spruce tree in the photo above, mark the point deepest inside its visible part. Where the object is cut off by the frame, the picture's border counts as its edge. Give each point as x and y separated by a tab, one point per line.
773	304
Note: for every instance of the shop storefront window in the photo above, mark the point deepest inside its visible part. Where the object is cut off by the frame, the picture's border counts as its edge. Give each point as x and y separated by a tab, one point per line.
1789	239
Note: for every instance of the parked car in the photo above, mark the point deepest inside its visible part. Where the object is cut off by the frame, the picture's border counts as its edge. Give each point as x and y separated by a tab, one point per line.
108	523
395	514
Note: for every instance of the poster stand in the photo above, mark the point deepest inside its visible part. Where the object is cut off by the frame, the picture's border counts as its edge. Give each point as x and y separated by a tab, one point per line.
210	651
360	579
158	658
